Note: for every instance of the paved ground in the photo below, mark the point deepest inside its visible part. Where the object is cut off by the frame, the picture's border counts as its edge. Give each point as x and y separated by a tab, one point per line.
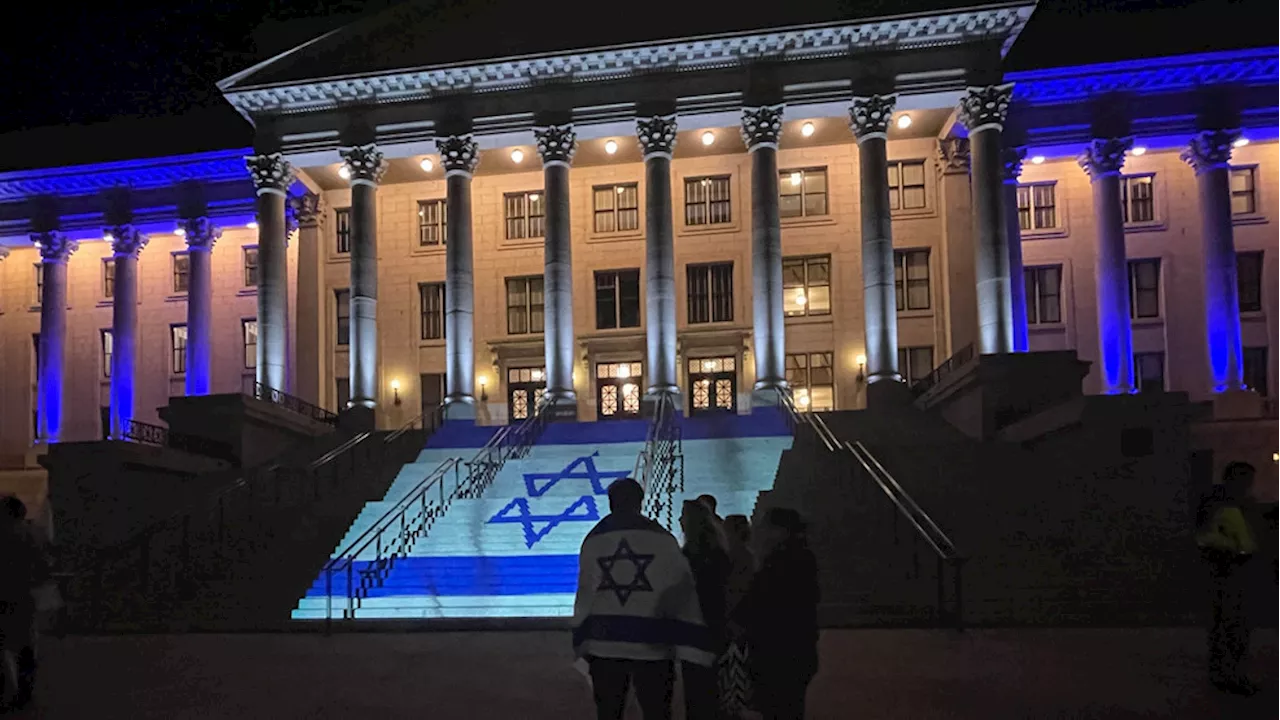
987	674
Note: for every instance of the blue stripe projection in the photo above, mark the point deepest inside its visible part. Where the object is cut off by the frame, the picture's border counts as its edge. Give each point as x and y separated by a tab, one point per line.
463	575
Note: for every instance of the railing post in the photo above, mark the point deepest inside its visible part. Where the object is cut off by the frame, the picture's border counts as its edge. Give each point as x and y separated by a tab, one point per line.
959	570
942	593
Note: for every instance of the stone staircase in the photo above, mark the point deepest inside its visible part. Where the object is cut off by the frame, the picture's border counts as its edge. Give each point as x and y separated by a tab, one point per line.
513	551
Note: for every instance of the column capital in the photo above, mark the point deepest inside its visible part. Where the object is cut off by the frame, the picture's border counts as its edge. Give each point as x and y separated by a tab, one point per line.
305	209
869	116
984	108
657	135
364	162
1104	156
200	233
126	241
761	126
271	172
1011	158
1210	149
54	247
556	143
953	156
458	154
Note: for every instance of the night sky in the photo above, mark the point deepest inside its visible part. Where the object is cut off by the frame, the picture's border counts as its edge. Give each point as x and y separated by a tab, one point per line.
124	63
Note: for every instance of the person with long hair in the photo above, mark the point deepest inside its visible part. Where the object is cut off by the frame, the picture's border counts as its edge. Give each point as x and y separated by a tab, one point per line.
709	562
735	677
780	614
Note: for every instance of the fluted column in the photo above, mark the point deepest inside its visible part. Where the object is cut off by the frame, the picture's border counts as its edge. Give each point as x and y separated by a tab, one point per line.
272	176
982	111
126	244
201	236
869	118
760	129
657	141
556	144
1012	158
55	249
1102	160
459	155
1209	154
365	164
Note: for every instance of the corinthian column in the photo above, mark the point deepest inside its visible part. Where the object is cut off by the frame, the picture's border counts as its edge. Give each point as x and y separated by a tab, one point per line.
556	144
200	235
272	176
1102	159
126	244
459	155
869	118
1210	156
365	165
982	111
760	129
55	249
1012	158
657	141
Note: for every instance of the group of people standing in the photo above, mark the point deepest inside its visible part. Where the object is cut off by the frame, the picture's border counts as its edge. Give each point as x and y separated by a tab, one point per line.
735	607
24	575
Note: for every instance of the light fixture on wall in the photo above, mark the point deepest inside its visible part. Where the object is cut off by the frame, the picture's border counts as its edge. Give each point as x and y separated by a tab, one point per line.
344	172
427	165
1240	142
180	231
253	225
862	367
796	177
1138	150
483	380
395	389
806	129
611	146
1037	159
904	122
533	197
517	156
708	138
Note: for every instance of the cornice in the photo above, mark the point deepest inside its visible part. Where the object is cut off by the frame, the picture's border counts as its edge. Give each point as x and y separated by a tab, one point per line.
214	167
906	33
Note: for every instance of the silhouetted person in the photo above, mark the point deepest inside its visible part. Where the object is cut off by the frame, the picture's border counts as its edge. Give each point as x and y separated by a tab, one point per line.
780	614
636	611
1226	543
710	565
22	568
735	678
710	502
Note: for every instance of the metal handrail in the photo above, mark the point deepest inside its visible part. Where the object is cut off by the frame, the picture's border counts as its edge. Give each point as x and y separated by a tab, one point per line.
512	441
809	419
659	465
910	509
961	356
158	435
294	403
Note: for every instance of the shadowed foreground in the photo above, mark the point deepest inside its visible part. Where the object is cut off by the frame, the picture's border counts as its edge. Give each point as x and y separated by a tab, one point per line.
1094	673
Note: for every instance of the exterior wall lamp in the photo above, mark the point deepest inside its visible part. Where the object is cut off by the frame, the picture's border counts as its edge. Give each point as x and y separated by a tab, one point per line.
862	367
484	395
395	388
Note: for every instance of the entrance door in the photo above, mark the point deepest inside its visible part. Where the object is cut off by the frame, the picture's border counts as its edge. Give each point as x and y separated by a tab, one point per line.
713	385
618	390
432	385
525	387
104	416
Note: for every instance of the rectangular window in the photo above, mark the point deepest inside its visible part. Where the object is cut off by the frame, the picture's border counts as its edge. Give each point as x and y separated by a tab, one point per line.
342	308
524	305
178	344
108	345
1044	294
915	363
181	271
706	201
802	193
1037	206
1249	280
525	215
812	381
1144	288
342	223
344	392
710	293
251	267
432	220
1256	370
617	299
911	279
1137	199
616	207
1244	196
806	286
249	335
1148	371
109	278
906	185
431	310
39	284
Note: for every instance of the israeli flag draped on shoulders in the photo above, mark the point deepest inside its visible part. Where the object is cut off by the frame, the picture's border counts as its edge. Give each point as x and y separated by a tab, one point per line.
636	596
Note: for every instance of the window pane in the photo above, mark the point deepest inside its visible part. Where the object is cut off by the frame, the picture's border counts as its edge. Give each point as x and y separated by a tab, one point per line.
1050	288
893	176
815	181
342	311
606	301
790	206
249	329
792	273
1249	280
815	204
819	300
1256	370
912	173
629	298
893	198
794	301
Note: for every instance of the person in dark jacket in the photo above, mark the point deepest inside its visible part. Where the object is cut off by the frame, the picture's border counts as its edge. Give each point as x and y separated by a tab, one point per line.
710	565
22	569
780	615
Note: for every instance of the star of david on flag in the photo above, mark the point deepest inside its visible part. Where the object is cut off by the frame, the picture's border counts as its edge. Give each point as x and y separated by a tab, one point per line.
517	512
624	554
600	479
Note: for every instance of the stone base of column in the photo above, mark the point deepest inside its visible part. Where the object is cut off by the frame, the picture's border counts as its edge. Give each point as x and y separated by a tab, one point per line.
888	394
1237	405
564	407
766	393
462	407
357	418
649	402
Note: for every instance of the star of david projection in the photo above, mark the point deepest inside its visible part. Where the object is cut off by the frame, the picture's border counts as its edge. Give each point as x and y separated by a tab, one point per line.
600	479
639	583
517	512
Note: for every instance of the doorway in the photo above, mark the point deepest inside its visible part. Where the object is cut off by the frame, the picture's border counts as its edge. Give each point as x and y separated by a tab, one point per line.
713	385
432	385
525	388
618	389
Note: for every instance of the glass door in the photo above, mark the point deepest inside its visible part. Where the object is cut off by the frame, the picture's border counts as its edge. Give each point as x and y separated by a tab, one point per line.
618	390
525	387
713	385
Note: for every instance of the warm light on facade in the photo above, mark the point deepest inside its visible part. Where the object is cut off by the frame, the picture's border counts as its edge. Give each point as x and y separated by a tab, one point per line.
806	129
708	137
1240	142
517	156
253	225
904	122
860	360
1037	159
180	232
344	172
795	179
1137	151
428	165
611	146
533	197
